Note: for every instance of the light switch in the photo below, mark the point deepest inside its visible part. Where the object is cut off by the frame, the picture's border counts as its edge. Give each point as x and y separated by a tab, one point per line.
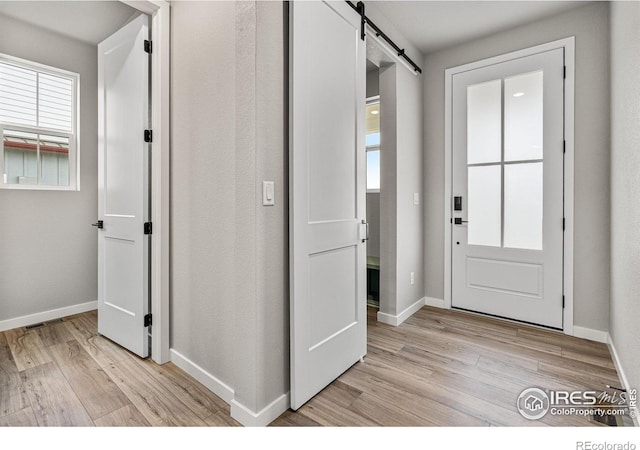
268	193
416	198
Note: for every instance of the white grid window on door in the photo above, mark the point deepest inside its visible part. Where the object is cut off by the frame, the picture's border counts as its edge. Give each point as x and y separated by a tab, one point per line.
38	117
505	162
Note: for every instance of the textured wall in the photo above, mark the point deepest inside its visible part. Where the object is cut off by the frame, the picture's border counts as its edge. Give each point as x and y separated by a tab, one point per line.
625	186
203	184
373	87
229	300
401	160
373	218
48	248
590	26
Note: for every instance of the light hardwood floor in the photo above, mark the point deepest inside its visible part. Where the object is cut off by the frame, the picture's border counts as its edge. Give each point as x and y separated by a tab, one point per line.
65	374
453	368
438	368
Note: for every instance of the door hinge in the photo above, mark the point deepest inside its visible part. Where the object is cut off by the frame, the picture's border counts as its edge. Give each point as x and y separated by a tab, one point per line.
148	136
563	302
147	46
564	223
564	72
564	147
148	228
147	320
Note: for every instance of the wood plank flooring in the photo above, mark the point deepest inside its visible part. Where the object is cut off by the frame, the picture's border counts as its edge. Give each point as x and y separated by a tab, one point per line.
439	368
450	368
65	374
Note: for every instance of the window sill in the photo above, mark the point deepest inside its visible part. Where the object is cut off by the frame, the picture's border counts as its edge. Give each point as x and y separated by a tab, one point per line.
38	188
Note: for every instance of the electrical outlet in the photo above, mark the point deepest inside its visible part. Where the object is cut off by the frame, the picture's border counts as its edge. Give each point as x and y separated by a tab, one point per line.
413	277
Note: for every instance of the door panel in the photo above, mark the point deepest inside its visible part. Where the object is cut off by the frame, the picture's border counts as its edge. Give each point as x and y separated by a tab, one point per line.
327	195
123	186
508	165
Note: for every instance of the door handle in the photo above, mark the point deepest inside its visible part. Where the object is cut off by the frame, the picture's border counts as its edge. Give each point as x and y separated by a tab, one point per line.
366	224
99	224
459	221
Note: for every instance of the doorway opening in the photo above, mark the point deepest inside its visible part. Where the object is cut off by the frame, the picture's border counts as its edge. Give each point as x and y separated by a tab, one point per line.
373	148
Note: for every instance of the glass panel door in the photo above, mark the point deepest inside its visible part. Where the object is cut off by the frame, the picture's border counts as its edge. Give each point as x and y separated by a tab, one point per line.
505	162
507	187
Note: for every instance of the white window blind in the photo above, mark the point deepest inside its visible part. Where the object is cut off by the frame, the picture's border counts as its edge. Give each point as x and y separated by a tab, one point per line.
38	126
35	99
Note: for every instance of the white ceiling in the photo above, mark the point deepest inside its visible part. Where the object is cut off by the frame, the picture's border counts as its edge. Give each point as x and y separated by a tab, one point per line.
429	25
434	25
87	21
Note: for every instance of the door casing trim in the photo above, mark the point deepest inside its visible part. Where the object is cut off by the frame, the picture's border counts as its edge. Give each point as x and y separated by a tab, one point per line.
568	44
159	10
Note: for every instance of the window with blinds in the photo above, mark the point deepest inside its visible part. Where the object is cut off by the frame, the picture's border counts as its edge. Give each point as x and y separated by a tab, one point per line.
38	116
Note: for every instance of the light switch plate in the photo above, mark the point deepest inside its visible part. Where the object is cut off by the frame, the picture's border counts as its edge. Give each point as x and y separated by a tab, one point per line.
416	198
268	193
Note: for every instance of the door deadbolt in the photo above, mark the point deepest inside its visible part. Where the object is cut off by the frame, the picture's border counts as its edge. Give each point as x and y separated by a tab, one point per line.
457	203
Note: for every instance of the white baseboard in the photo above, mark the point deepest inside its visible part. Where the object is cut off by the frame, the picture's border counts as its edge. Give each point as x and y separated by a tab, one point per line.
623	376
212	383
239	412
591	334
44	316
390	319
263	418
435	302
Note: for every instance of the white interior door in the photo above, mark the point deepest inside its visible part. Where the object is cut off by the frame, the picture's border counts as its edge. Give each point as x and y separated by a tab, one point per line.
327	195
507	231
123	186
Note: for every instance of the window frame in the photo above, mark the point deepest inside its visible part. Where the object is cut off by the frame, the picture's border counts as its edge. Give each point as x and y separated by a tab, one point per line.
73	136
372	148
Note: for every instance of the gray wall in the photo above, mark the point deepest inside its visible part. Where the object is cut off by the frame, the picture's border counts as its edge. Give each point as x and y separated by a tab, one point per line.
401	162
590	26
388	190
48	250
401	222
625	186
373	87
373	219
410	217
229	299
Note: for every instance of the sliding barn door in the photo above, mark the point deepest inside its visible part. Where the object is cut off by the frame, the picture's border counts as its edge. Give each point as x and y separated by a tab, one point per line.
327	195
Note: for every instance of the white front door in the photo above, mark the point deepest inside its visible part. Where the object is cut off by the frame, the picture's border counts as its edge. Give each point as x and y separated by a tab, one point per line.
327	195
507	210
123	186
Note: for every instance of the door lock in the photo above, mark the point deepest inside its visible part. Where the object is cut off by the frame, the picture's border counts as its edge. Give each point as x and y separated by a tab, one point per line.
99	224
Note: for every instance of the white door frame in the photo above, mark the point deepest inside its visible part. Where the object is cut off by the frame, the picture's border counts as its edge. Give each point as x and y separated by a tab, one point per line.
568	44
159	10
